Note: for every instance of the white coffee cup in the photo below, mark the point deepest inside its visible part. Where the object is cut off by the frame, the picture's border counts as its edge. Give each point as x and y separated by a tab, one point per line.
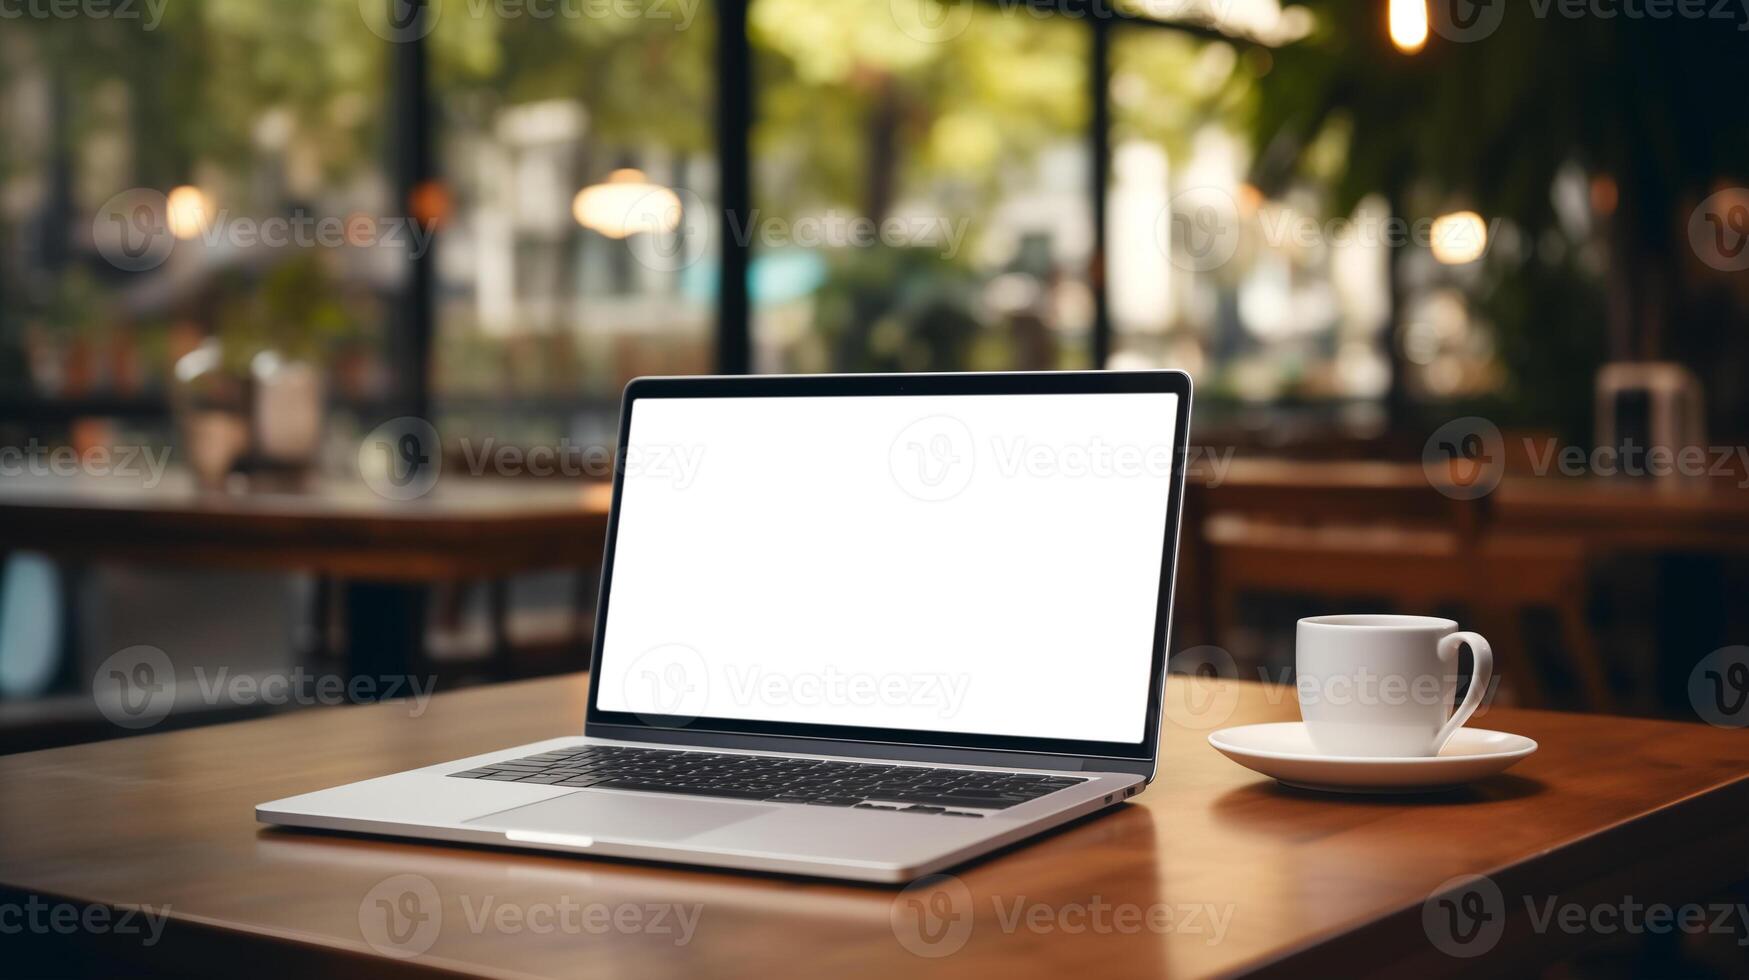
1372	685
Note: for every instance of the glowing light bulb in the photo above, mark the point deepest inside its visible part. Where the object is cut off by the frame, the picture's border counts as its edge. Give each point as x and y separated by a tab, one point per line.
186	211
625	204
1459	237
1408	24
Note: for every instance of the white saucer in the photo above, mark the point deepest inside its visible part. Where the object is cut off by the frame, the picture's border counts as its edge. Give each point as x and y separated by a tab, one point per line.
1284	750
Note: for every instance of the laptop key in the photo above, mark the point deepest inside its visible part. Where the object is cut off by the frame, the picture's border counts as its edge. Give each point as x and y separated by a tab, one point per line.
731	794
989	793
988	803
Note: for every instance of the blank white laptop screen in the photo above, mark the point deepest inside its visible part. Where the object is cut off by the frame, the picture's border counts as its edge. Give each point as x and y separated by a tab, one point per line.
980	564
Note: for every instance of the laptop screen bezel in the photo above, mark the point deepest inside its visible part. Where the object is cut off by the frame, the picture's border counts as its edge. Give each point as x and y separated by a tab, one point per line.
844	739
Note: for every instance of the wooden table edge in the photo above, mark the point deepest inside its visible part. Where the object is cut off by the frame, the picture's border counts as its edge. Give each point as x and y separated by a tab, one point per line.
1727	799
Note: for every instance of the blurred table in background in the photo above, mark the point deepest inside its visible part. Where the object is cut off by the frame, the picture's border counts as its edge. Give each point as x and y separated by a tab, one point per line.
381	551
1354	530
1619	513
1627	514
1542	531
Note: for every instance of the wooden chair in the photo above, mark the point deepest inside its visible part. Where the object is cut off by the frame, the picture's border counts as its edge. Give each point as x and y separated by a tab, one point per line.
1346	531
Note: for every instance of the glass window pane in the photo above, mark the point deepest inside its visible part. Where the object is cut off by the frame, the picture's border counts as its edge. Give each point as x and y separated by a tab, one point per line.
580	246
921	196
1261	296
202	171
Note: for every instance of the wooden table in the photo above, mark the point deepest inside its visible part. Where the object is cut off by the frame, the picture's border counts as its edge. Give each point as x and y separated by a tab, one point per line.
1609	513
382	550
463	528
1302	884
1628	515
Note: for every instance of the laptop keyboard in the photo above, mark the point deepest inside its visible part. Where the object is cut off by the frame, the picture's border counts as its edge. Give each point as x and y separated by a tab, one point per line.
778	779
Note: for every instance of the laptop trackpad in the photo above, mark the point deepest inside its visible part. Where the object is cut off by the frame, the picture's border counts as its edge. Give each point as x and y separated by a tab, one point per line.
623	816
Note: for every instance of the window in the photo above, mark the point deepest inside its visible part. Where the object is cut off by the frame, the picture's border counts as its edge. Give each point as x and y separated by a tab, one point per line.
213	174
921	197
561	141
1263	296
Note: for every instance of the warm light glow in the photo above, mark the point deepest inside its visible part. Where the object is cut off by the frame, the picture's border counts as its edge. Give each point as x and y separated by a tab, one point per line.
1249	199
428	203
625	204
1408	21
1459	237
187	211
1605	195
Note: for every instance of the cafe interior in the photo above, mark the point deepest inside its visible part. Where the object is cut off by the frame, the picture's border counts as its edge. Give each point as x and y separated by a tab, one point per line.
1463	289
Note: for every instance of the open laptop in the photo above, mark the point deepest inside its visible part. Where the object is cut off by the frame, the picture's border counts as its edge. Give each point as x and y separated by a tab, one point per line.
862	627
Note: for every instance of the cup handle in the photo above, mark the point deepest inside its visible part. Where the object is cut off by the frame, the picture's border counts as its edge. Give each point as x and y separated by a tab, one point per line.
1480	675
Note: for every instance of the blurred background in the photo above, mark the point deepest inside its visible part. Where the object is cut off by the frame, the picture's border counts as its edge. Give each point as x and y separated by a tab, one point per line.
313	315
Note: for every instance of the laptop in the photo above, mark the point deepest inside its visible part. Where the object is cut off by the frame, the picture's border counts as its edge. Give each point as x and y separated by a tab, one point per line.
865	627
